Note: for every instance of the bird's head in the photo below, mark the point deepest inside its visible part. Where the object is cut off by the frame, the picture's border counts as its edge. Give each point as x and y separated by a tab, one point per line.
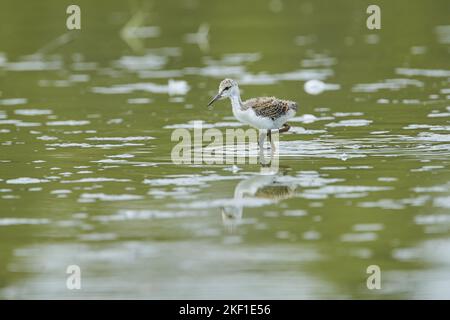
227	88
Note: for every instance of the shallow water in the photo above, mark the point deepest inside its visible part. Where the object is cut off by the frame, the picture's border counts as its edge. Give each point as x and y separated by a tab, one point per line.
86	177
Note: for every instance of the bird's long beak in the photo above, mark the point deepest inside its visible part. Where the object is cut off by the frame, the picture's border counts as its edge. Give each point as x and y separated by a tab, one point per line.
217	97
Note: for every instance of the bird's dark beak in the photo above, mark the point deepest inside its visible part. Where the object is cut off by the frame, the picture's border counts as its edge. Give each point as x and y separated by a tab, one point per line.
217	97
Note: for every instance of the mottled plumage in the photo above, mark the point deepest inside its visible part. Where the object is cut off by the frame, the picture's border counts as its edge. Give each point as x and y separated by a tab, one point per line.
270	107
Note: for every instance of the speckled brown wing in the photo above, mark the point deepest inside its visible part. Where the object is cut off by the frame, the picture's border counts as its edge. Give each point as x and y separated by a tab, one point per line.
270	107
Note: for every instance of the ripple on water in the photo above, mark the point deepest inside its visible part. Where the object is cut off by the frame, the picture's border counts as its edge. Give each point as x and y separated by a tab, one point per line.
190	125
296	75
34	65
305	118
137	138
26	180
325	191
13	101
395	204
91	197
122	156
307	179
442	202
173	87
300	130
98	237
32	112
439	115
318	148
367	227
437	73
137	63
20	123
437	188
443	34
218	203
434	137
348	114
124	215
139	101
22	221
68	123
432	219
159	74
359	237
87	145
93	180
350	123
234	59
178	193
188	180
388	84
46	138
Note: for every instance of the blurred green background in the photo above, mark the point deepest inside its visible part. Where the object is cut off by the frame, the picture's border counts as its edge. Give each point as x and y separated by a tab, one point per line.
86	176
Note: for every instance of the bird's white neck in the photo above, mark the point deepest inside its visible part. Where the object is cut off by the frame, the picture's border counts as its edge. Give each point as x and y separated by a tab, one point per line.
236	101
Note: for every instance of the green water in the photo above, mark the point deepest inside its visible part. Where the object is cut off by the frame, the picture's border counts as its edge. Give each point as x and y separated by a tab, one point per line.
86	176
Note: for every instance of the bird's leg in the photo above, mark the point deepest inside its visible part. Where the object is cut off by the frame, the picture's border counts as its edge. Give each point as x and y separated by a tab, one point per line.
285	128
262	137
269	135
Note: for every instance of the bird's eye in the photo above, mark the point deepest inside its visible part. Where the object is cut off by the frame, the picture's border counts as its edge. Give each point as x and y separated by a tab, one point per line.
226	88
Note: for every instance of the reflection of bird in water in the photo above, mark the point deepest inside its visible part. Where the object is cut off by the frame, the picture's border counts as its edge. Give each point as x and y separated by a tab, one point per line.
264	113
262	187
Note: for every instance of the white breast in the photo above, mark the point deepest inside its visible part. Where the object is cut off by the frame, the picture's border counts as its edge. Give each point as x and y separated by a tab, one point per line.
248	116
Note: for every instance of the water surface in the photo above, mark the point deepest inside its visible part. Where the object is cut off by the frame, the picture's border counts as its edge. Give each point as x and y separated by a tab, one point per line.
86	176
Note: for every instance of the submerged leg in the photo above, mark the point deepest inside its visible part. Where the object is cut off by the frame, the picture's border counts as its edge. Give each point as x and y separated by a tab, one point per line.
269	135
285	128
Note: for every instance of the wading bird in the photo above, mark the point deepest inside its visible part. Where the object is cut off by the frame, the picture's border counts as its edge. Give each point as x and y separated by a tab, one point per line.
263	113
